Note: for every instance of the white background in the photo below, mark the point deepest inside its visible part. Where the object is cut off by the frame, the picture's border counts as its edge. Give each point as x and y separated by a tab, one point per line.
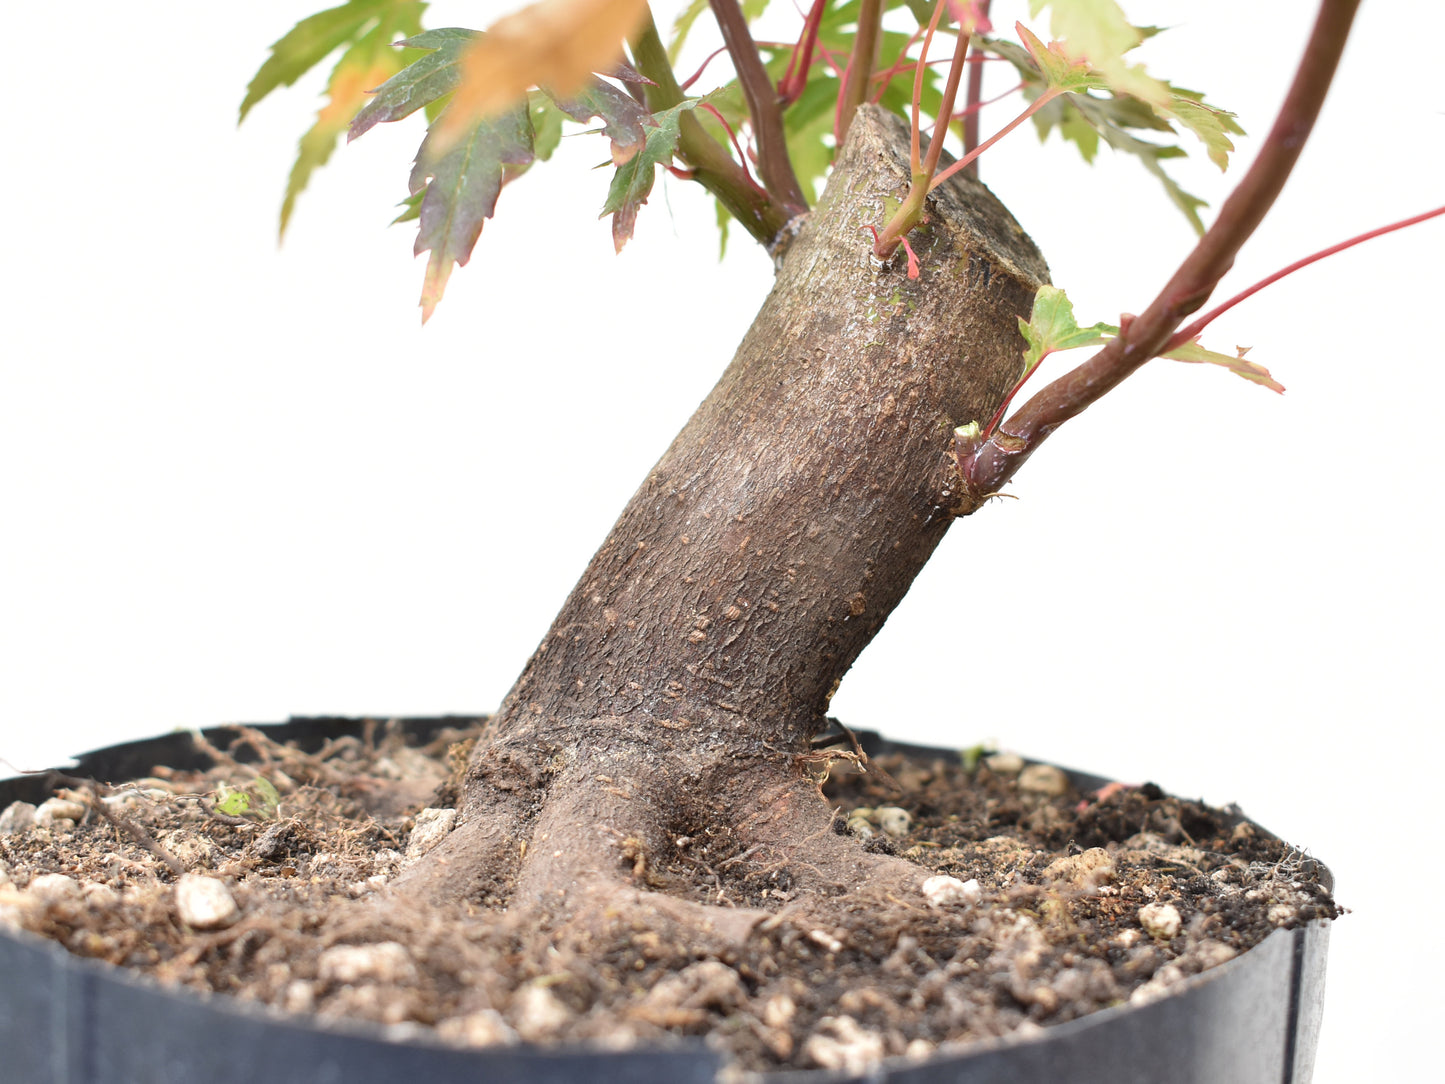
239	483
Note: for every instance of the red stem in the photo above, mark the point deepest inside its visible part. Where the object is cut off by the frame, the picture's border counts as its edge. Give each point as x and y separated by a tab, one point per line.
1192	332
914	154
945	107
974	99
795	79
963	163
695	76
996	460
774	165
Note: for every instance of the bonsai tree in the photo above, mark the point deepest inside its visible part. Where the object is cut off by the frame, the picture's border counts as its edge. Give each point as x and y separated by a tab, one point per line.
886	389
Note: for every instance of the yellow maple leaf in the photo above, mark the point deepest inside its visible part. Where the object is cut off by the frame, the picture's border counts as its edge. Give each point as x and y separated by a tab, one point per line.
554	43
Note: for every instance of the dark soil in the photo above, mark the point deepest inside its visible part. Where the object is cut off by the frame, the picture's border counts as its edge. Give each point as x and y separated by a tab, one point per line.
1081	901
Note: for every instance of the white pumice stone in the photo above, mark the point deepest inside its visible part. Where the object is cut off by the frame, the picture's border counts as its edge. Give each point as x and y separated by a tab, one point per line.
432	826
17	817
204	903
54	888
1160	920
895	822
944	891
386	962
1043	779
1004	763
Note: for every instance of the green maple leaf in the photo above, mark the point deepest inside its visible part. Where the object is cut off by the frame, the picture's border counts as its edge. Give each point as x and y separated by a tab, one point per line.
418	84
1099	107
316	37
1236	363
632	183
459	189
364	30
1051	327
1096	33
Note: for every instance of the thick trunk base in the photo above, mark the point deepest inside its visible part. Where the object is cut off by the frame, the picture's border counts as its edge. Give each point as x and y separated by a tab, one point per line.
672	703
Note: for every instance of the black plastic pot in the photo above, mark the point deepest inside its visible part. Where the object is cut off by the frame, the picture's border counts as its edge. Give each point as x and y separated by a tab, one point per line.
65	1020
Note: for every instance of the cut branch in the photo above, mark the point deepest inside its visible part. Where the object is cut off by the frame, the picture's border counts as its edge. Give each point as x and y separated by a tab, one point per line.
774	165
993	462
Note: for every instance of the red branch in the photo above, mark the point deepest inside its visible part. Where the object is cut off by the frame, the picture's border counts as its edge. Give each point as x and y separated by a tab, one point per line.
993	462
1193	331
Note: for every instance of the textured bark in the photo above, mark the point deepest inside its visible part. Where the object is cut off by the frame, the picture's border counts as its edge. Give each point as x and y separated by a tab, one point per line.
685	673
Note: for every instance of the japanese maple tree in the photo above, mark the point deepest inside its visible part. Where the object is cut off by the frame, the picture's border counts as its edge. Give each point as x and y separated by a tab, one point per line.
877	398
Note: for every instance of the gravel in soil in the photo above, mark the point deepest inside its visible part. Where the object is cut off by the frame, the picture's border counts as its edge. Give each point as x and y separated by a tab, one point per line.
260	878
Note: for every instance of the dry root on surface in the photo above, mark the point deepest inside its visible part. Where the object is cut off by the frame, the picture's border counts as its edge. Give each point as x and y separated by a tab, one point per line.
918	906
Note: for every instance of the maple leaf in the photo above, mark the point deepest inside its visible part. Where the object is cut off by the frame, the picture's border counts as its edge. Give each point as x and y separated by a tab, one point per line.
362	67
316	37
552	43
1258	374
622	117
420	83
364	29
459	182
632	183
1095	108
1051	327
1096	33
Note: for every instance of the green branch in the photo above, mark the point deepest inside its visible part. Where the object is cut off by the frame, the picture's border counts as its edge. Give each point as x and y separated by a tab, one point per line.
711	165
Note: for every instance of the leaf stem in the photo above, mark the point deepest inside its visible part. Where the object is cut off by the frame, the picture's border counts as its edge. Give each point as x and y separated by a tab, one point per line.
860	66
1195	329
945	107
795	79
972	156
774	165
712	166
993	462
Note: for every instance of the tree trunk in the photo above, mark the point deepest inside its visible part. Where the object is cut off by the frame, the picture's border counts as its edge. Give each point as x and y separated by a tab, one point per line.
698	653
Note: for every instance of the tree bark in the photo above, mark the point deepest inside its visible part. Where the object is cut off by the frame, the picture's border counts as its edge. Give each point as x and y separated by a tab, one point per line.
684	675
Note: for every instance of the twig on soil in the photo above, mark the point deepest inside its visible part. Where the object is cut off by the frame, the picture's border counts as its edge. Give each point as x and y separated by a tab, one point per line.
91	792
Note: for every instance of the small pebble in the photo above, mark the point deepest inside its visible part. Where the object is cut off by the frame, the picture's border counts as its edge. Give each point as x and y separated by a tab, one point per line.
1043	779
1004	763
944	891
538	1013
858	823
778	1011
432	826
205	903
1087	870
386	962
1281	914
18	817
54	888
895	822
839	1043
1160	920
58	813
482	1028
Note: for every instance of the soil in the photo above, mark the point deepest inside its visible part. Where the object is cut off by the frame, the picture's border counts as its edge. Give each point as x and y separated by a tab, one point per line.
265	878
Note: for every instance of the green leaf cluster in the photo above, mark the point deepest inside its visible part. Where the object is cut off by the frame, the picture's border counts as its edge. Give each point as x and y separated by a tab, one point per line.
1052	327
1110	99
260	799
363	31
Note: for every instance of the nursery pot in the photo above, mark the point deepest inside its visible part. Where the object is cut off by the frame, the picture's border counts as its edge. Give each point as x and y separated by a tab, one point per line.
65	1020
